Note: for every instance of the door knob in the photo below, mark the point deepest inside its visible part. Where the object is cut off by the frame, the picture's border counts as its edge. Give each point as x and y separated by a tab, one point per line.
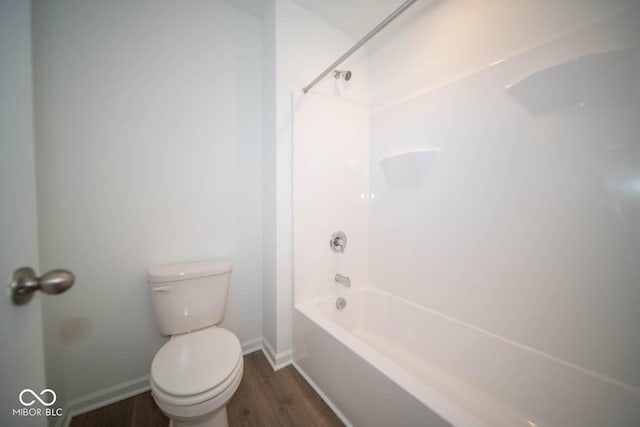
24	283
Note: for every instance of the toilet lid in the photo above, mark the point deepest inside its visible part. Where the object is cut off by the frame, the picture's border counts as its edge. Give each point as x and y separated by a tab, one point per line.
196	362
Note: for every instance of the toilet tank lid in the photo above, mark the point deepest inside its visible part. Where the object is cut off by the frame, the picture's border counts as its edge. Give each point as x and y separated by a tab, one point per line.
186	270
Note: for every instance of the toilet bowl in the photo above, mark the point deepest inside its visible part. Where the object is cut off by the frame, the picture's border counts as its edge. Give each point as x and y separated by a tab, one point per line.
196	372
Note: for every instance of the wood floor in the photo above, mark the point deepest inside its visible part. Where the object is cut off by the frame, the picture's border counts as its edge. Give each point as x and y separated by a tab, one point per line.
264	398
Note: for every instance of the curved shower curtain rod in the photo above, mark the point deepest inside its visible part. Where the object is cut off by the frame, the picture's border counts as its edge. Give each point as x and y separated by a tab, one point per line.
404	6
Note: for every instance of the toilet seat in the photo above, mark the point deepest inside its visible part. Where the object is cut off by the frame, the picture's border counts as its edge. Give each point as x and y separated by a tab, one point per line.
222	392
197	366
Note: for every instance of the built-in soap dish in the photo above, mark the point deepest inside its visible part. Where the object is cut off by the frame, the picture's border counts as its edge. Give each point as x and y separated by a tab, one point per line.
596	79
408	169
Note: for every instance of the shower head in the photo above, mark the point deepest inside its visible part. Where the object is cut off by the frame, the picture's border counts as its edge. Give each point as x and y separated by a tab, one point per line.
345	74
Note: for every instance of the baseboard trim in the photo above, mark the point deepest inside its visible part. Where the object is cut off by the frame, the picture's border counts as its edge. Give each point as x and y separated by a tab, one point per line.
118	392
104	397
249	346
276	360
324	397
283	359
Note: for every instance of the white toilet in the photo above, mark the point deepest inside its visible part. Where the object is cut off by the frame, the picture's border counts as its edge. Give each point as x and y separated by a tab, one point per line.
198	370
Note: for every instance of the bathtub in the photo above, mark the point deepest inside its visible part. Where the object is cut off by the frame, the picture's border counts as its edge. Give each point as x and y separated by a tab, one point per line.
385	361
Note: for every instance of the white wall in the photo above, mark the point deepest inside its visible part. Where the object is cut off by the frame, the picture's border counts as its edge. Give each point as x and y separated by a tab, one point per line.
526	225
148	144
270	240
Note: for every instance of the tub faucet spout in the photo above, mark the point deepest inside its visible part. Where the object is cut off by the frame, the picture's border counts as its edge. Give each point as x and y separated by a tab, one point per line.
343	279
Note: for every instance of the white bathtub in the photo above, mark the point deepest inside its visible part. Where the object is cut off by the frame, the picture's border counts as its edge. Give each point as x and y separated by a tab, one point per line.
384	361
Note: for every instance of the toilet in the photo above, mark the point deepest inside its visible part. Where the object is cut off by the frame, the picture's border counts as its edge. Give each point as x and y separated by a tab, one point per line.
196	372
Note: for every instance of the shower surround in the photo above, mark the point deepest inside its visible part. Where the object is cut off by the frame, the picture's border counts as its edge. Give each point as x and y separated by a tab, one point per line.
492	237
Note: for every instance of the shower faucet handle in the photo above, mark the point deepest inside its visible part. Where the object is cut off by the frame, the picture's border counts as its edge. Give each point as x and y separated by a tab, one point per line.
338	242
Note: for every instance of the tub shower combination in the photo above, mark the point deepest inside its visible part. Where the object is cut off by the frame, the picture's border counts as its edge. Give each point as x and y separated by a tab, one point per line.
383	360
372	330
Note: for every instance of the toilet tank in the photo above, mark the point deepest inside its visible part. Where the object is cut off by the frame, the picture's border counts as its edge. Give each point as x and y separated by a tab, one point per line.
189	296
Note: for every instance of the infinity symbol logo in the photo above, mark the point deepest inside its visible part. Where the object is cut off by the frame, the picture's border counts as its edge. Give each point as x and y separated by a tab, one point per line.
36	397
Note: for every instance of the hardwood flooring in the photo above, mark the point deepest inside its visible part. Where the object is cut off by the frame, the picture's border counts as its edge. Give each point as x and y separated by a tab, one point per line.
138	410
264	398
